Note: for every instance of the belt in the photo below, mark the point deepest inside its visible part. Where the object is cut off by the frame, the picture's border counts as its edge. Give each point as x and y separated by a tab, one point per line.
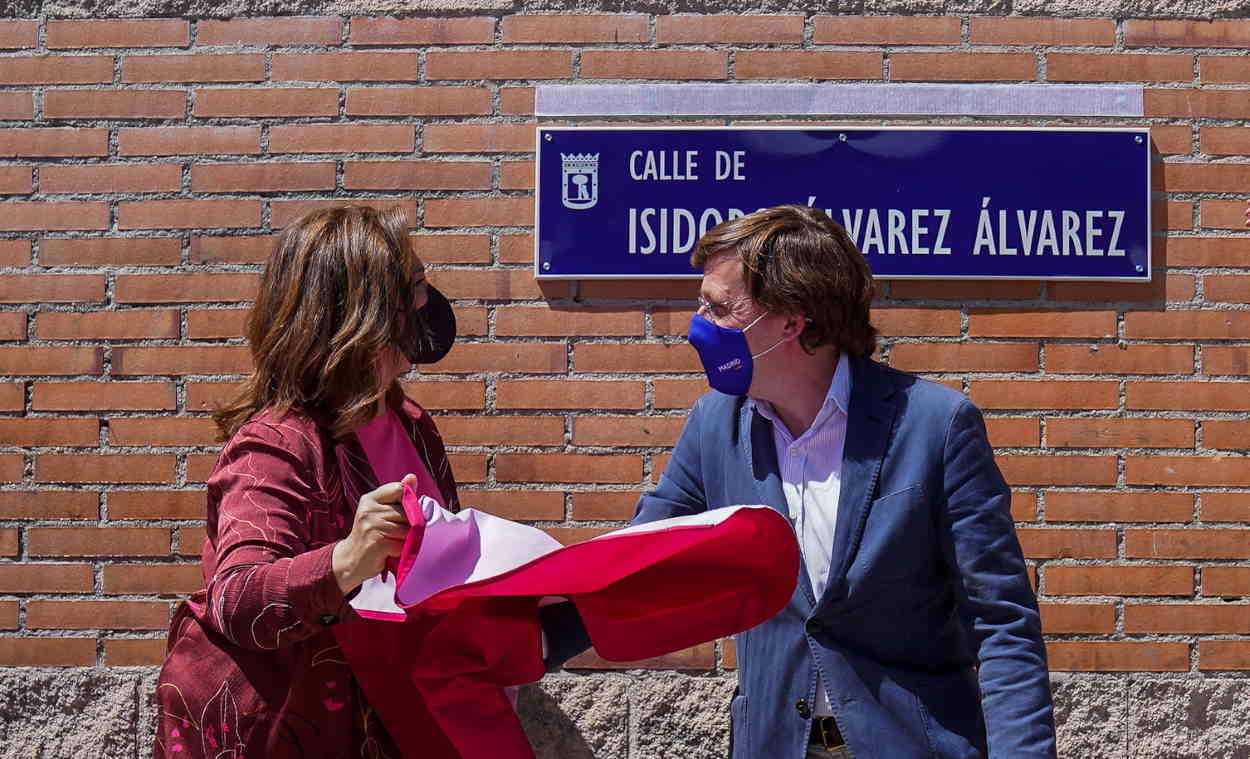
825	733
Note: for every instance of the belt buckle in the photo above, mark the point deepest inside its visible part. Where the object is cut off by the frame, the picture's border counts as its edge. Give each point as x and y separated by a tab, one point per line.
830	735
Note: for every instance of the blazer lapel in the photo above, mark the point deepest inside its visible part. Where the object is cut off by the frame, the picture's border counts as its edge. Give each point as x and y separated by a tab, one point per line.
869	421
761	452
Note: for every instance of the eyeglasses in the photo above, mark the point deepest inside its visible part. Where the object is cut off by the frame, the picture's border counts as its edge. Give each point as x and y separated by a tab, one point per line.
717	311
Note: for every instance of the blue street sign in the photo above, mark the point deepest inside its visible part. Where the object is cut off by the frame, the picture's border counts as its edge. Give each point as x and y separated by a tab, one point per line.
946	203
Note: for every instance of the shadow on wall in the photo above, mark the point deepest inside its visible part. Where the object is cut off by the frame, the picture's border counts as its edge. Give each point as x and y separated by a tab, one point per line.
550	730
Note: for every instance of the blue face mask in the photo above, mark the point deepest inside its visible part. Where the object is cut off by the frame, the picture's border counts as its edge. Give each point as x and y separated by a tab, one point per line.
726	357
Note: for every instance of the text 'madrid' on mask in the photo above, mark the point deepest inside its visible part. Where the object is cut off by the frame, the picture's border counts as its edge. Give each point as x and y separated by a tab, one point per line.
725	355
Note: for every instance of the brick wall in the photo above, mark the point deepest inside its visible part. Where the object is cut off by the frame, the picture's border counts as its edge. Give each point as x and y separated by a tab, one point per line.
145	165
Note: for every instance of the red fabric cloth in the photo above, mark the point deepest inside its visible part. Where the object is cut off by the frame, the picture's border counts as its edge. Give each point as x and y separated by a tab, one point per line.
252	665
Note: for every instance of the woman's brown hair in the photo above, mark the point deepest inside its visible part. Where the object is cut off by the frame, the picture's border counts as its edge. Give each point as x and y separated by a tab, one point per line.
337	291
796	259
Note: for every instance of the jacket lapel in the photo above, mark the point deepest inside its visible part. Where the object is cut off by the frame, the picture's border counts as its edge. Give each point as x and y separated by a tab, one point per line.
869	421
755	434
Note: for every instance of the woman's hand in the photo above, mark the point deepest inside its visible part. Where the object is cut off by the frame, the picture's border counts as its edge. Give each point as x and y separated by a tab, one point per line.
377	534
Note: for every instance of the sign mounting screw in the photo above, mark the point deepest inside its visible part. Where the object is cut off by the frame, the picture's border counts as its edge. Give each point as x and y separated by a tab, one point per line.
547	266
842	137
1139	267
547	136
1137	139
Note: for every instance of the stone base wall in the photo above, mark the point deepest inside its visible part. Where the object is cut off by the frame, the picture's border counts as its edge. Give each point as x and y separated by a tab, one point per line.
107	712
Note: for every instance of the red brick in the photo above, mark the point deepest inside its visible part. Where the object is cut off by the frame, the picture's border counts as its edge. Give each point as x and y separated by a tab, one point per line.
1223	69
367	30
1218	140
275	31
1184	396
107	325
962	67
12	325
283	212
12	396
516	175
697	29
1014	432
1119	433
700	657
474	358
47	652
479	212
965	290
31	360
1205	543
53	467
57	69
8	615
1029	470
114	104
1226	288
807	64
885	30
15	253
1061	618
635	357
16	180
1049	543
522	505
103	396
1151	33
1226	581
1121	656
111	178
654	64
339	138
1103	506
1124	580
110	251
572	395
268	102
189	141
345	67
1109	359
217	213
533	321
675	321
205	324
1175	288
46	216
468	467
965	357
1224	507
572	28
1222	214
162	430
452	248
1019	323
567	467
15	106
153	579
1042	31
49	504
193	68
478	138
262	177
12	469
1188	325
500	64
134	652
627	430
1225	434
1223	654
1175	139
45	578
671	393
151	32
1195	177
1194	103
184	288
97	541
516	249
182	359
45	431
416	175
1128	67
231	250
156	504
18	33
605	506
1187	471
460	394
502	430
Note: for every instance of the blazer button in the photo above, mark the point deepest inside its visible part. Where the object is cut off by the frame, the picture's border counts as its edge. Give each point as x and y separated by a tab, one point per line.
812	627
329	619
804	710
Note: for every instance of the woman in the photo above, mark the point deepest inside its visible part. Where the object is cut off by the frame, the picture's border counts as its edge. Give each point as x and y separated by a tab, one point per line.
297	521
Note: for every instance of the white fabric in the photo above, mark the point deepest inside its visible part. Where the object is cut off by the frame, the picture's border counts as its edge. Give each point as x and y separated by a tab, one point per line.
811	479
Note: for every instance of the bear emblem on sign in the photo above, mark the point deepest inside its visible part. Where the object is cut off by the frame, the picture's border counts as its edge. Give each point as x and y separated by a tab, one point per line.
579	185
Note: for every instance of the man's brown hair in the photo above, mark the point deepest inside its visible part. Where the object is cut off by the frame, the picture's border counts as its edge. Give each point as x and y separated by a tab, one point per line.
796	259
337	291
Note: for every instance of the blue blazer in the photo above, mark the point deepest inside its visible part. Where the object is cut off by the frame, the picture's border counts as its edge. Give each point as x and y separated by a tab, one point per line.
927	636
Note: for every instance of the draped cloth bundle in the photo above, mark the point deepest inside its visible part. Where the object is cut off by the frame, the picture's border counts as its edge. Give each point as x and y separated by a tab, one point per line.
457	621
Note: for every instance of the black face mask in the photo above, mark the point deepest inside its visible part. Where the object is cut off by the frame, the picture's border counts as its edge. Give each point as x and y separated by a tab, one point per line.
434	332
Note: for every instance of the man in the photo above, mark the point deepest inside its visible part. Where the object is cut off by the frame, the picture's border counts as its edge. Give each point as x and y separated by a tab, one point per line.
913	631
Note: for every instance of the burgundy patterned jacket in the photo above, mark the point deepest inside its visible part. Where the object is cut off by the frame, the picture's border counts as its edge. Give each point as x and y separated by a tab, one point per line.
253	669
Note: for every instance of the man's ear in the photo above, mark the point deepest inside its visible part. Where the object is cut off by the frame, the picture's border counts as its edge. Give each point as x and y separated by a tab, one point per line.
793	326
